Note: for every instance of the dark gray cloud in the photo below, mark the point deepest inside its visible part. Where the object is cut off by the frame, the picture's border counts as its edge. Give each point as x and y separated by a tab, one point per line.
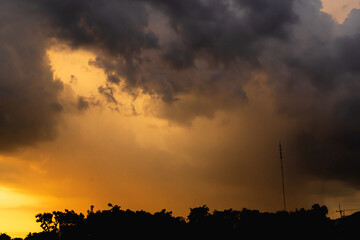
226	30
315	77
29	107
111	28
117	27
198	61
218	32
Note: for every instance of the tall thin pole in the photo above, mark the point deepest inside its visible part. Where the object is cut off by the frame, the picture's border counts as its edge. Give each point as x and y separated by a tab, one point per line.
342	212
282	175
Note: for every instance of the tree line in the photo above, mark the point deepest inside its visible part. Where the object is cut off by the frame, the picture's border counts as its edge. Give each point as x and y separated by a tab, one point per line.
116	223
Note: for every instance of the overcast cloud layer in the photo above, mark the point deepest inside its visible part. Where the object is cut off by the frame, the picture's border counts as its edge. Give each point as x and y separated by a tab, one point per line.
195	56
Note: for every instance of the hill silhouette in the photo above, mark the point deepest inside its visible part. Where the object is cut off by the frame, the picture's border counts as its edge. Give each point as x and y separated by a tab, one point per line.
116	223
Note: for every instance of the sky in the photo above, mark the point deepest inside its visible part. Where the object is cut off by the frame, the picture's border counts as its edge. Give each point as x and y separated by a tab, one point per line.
175	104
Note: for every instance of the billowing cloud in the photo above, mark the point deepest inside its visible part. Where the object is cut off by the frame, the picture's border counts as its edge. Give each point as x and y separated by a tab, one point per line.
195	59
124	36
224	30
29	106
315	77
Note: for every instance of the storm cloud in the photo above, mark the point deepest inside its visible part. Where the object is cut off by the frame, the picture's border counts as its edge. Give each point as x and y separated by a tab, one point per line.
316	82
29	104
195	57
123	35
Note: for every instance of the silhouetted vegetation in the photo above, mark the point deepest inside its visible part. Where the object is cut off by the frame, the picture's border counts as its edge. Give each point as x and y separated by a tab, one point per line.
116	223
4	236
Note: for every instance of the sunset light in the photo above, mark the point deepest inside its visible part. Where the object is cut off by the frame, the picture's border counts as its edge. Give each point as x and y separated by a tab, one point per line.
169	114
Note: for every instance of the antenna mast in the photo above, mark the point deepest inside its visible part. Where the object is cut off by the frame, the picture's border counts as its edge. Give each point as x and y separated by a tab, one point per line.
282	175
342	212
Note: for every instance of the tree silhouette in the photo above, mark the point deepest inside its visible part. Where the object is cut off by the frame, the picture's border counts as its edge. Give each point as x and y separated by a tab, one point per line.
4	236
46	222
198	215
116	223
68	218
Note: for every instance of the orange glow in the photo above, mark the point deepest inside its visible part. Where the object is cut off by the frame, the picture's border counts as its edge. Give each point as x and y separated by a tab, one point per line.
18	212
72	68
128	154
340	9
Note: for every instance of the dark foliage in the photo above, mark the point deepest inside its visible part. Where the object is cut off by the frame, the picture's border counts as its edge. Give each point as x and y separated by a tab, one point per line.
116	223
4	236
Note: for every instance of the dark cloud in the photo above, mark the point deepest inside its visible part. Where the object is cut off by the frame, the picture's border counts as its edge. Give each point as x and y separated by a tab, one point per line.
218	32
224	30
117	27
178	58
108	92
111	28
29	107
316	82
199	64
82	103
